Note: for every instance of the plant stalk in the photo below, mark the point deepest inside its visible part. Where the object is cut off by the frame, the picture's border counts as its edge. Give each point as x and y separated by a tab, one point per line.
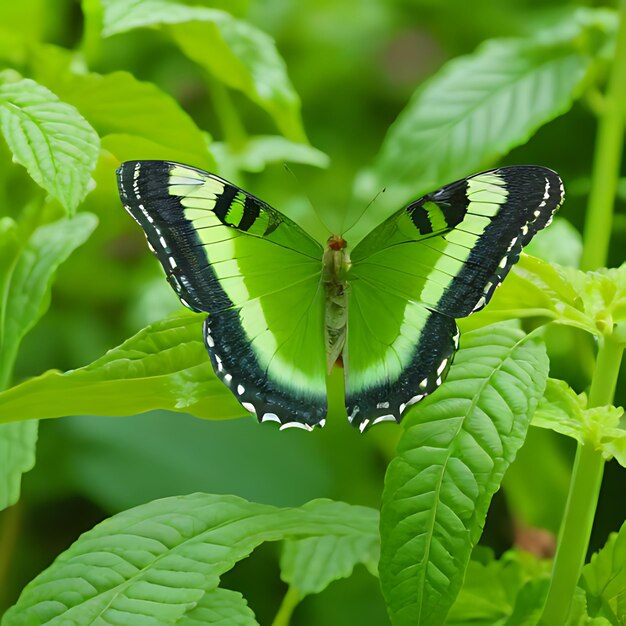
607	158
290	602
583	494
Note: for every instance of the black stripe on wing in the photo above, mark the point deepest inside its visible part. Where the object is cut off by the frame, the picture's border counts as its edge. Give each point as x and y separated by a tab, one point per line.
534	194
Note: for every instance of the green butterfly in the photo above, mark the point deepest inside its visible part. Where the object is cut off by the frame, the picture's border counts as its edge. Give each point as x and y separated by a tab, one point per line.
283	309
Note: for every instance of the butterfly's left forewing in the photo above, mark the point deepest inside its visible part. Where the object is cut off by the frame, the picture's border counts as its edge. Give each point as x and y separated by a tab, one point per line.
438	259
256	274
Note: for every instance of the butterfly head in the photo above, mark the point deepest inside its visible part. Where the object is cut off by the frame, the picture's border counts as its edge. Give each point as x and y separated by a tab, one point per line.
337	243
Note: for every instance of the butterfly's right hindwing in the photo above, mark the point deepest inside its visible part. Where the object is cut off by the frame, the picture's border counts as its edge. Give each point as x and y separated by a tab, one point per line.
256	274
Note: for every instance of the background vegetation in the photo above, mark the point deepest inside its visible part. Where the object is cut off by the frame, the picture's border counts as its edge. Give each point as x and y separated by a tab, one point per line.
240	88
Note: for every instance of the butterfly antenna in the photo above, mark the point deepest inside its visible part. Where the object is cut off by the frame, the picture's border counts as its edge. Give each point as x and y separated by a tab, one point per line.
306	195
364	211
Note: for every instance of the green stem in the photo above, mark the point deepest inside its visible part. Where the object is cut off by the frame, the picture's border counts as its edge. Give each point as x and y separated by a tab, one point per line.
607	158
91	42
9	532
583	494
290	602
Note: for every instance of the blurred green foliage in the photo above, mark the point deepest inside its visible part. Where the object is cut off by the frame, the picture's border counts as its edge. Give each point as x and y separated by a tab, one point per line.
335	74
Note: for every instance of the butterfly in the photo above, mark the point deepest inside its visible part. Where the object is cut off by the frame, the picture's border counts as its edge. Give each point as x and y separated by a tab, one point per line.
284	309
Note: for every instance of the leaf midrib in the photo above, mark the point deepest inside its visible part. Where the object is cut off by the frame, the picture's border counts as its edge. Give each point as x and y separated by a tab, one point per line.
430	529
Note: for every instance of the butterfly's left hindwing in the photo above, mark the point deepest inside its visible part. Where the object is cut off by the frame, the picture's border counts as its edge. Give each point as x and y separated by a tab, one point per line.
440	258
256	274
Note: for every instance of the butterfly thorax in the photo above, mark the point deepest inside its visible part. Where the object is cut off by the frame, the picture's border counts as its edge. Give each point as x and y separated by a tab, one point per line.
336	262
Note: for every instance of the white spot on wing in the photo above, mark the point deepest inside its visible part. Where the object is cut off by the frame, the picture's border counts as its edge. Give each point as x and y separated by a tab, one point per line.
248	406
414	399
363	425
270	417
442	366
210	342
382	405
228	378
424	383
384	418
241	389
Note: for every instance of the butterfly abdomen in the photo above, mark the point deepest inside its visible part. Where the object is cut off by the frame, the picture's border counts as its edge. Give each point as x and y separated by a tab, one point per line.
336	264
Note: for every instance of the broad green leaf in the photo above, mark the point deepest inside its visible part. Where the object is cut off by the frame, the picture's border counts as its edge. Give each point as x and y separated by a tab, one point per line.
29	279
563	411
310	565
155	563
49	138
123	145
450	461
258	151
119	104
164	366
220	607
235	52
17	456
26	275
478	107
604	579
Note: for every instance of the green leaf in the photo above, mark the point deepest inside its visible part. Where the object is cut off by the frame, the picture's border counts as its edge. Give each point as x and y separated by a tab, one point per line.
604	578
157	562
164	366
498	591
258	151
457	445
28	280
310	565
234	51
220	607
535	288
26	275
603	295
17	456
118	104
579	613
563	411
49	138
478	107
561	244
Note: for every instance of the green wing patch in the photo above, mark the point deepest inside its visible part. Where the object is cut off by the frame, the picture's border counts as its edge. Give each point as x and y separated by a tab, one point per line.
256	274
440	258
